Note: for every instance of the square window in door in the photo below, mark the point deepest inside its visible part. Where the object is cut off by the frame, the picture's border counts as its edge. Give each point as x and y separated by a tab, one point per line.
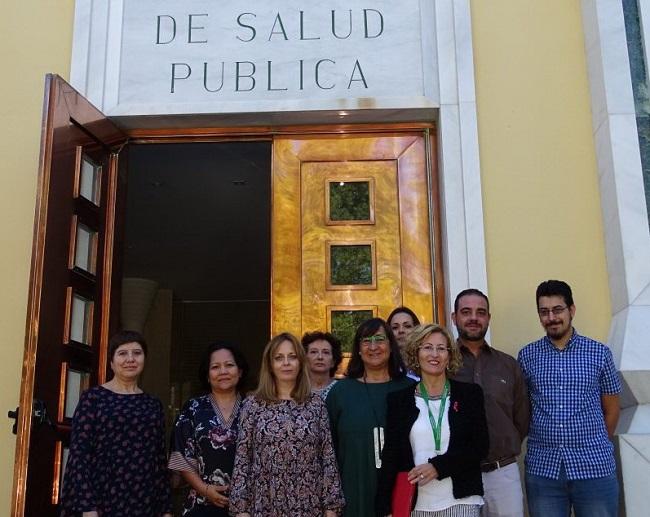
73	383
88	178
343	321
83	247
79	312
350	202
351	265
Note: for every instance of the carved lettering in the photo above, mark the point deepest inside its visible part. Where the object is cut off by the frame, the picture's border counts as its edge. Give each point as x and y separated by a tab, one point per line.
171	24
175	77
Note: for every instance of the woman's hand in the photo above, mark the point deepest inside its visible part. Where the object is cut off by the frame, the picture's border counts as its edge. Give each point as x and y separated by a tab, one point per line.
215	494
243	515
90	514
422	474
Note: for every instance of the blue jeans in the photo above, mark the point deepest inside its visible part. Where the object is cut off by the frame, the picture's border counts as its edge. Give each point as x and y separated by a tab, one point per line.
588	497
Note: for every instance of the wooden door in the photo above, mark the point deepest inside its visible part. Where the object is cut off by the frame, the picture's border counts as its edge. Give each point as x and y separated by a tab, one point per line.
71	287
350	231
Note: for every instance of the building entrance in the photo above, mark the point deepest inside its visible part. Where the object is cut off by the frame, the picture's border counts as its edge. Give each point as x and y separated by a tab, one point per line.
202	235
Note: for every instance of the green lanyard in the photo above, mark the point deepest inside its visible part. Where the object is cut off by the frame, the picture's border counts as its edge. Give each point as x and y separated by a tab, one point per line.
436	427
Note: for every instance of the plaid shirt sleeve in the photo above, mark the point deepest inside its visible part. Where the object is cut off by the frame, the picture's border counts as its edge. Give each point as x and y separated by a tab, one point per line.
610	384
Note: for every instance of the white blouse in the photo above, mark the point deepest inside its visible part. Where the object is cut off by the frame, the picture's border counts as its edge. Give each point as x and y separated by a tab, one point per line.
436	494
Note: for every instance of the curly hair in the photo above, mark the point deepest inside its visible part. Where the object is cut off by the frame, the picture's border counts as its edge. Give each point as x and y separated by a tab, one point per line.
414	342
335	344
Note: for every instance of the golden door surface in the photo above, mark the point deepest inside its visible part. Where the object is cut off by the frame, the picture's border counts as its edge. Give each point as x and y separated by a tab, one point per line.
350	230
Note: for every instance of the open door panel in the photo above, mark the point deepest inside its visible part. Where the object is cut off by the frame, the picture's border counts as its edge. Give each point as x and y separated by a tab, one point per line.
71	288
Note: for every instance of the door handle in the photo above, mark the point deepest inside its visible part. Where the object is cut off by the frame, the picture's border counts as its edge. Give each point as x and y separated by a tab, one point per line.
14	415
40	415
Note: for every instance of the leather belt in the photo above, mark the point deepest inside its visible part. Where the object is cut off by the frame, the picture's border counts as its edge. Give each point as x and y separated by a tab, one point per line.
494	465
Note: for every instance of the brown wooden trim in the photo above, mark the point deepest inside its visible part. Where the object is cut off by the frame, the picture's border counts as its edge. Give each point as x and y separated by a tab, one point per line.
211	134
58	460
68	316
107	267
77	171
439	308
62	390
33	304
72	249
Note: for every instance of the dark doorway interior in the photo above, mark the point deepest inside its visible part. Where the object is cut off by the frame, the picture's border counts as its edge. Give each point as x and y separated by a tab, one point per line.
198	225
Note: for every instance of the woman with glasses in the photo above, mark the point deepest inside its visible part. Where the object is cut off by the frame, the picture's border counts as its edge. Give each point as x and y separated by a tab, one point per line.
436	431
323	358
357	409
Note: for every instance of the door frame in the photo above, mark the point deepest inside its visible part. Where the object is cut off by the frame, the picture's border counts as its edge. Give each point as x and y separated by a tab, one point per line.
143	136
429	130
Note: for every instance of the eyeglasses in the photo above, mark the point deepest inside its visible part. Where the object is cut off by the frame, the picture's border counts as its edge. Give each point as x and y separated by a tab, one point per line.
555	311
377	339
430	349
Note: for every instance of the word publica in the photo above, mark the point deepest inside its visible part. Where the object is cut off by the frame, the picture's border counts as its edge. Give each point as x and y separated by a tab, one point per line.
250	28
246	76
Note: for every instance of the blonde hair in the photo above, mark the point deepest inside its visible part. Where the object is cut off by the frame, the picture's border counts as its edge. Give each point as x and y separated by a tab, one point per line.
267	389
418	335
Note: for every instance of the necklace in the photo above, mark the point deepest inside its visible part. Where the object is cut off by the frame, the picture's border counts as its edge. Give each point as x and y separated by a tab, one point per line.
436	426
378	430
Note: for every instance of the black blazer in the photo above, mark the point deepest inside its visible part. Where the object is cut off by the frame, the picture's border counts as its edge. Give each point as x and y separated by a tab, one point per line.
468	442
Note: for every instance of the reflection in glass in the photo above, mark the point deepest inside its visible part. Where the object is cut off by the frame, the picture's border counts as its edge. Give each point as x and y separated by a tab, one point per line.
351	264
349	200
64	461
344	325
89	181
85	246
75	384
80	319
639	75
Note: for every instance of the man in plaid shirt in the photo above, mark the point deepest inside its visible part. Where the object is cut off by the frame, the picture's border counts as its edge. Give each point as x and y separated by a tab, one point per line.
573	387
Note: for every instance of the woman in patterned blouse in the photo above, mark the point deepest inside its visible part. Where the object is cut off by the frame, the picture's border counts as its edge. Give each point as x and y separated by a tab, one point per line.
205	434
285	464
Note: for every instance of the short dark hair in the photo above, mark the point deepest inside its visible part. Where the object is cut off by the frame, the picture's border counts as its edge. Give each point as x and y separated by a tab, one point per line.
554	288
405	310
123	337
356	368
204	365
335	343
470	292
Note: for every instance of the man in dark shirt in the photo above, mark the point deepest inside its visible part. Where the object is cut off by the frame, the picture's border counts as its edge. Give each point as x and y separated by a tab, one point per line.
507	407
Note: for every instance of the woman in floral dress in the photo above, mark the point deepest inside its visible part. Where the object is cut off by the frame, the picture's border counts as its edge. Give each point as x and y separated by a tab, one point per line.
117	462
205	434
285	464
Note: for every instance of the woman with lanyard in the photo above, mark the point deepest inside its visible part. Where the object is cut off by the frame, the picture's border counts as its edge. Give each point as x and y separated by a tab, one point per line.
357	410
436	431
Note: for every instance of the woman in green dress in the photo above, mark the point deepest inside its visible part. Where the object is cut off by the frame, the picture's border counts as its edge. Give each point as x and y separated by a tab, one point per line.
357	409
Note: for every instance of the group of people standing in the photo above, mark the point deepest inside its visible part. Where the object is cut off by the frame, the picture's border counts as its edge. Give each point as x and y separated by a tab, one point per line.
449	414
